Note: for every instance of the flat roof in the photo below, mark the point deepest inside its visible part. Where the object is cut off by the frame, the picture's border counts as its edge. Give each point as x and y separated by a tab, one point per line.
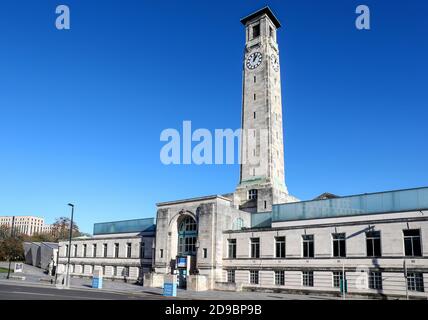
368	203
266	10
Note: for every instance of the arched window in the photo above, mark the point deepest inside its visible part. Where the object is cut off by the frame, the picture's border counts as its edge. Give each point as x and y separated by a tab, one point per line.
187	235
187	224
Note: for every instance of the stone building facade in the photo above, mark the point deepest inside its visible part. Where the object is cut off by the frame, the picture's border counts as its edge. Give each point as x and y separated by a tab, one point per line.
121	250
262	238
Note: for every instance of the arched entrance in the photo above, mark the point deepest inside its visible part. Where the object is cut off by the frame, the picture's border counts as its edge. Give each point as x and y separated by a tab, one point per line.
186	250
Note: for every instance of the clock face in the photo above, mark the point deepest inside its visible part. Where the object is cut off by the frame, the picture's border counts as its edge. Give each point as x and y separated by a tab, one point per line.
275	62
254	60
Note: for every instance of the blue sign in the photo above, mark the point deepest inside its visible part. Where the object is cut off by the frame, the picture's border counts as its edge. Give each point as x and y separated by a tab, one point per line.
181	262
170	289
97	283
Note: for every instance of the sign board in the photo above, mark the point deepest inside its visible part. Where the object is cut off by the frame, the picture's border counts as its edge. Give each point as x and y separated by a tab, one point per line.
170	286
19	267
181	262
97	279
97	283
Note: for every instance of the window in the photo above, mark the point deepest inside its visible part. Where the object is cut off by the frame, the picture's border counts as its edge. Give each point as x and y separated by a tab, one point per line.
256	31
412	242
231	252
255	97
254	277
231	276
255	247
337	278
205	253
140	272
265	204
280	278
252	194
270	32
115	271
103	270
84	250
339	245
161	253
255	79
71	268
125	271
373	244
66	250
94	250
128	250
90	269
254	114
308	246
74	254
415	281
105	250
280	247
142	250
308	278
375	280
116	250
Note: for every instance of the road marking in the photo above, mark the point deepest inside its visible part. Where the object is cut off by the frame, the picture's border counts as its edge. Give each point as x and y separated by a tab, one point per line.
55	295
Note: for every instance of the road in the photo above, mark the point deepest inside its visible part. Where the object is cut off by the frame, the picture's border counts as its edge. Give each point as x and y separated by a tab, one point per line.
19	292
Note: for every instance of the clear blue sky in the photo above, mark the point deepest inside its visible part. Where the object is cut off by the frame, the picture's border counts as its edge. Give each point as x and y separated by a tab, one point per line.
82	110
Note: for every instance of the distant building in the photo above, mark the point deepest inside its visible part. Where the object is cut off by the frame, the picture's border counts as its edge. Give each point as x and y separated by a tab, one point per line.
28	225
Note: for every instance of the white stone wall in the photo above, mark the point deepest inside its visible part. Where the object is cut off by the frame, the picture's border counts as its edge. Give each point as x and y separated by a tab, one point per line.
356	262
84	266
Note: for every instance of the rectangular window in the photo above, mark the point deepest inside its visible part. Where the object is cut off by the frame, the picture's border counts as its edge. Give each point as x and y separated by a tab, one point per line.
115	271
256	31
254	114
280	247
66	250
140	272
270	32
412	243
254	79
415	281
308	246
128	250
254	277
205	253
339	245
142	250
74	254
161	253
373	244
337	278
255	97
231	276
105	250
125	271
252	194
375	280
84	250
280	278
94	250
103	270
308	278
116	250
231	248
255	247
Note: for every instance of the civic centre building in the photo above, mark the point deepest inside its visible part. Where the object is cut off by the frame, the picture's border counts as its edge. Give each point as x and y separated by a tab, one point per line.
260	237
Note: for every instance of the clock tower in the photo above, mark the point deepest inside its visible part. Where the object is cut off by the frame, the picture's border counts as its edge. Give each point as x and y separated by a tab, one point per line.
262	181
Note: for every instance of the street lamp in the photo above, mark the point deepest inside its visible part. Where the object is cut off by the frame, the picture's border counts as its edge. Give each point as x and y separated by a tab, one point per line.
69	245
12	236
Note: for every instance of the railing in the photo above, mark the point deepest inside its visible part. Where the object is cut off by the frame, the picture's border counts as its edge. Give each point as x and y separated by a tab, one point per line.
384	202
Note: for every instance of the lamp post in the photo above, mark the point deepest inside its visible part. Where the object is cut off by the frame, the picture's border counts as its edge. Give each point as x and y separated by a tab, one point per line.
11	235
69	245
